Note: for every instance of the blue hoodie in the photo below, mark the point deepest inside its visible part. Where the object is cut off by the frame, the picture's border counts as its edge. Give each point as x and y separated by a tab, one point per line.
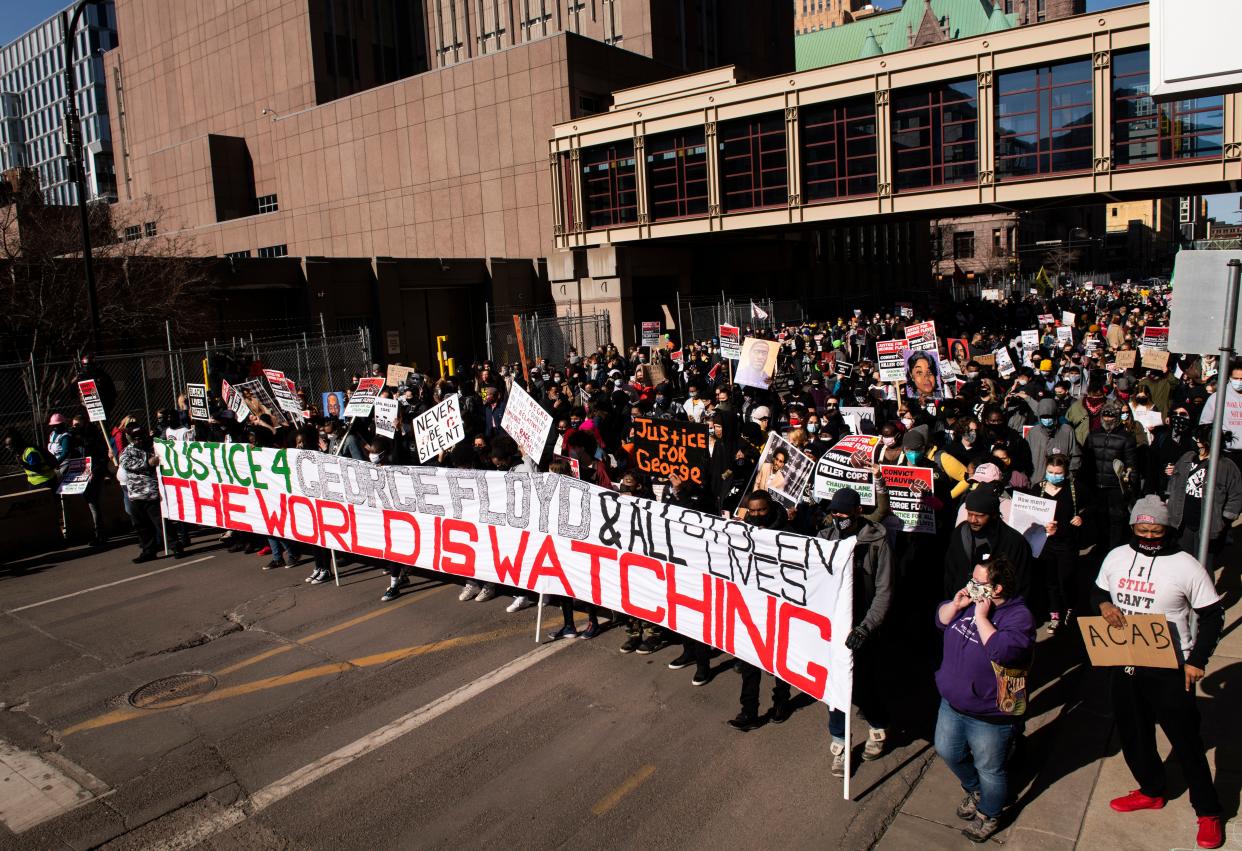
966	678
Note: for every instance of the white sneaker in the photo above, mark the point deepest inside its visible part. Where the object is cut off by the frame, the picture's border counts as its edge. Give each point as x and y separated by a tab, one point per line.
874	749
519	603
468	592
488	592
837	749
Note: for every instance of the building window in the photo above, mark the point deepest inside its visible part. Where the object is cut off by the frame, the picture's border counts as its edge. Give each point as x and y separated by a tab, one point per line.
237	255
609	192
268	204
132	232
996	241
1044	120
677	174
839	149
753	168
569	189
148	229
274	251
935	138
963	245
1145	132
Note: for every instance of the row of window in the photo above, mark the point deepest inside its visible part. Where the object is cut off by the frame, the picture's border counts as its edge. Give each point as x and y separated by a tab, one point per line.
267	251
135	232
1043	126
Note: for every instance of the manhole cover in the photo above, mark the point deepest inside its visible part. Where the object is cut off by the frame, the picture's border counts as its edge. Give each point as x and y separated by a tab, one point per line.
172	691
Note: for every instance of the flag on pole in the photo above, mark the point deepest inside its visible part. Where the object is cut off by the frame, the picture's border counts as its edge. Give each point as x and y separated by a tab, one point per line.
1041	280
757	312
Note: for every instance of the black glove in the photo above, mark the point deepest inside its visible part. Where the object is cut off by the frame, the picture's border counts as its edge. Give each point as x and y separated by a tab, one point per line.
857	637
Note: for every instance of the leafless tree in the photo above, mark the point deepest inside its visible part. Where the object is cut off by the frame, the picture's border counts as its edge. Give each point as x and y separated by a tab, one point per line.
1061	260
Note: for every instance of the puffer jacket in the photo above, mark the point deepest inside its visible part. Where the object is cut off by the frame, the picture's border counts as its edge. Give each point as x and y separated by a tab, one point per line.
873	572
1104	447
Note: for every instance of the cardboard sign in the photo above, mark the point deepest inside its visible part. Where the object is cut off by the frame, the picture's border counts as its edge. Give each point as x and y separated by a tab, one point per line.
386	416
921	336
526	422
651	334
441	428
196	397
1156	359
1144	642
363	400
90	398
76	477
730	342
891	361
397	374
1124	360
848	465
985	360
1029	515
908	489
663	448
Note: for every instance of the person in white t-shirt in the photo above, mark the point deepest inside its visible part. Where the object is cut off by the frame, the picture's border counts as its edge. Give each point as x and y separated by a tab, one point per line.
1151	575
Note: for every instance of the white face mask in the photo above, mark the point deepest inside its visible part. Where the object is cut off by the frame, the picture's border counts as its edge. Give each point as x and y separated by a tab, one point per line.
375	457
1236	384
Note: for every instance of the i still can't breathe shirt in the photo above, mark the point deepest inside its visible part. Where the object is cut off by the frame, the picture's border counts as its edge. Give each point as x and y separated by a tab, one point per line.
1172	584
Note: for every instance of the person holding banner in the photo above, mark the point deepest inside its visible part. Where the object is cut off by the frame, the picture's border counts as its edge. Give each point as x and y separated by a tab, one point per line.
873	594
1152	575
989	636
140	462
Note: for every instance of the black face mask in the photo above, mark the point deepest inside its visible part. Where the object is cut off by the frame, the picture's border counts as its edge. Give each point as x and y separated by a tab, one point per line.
1147	546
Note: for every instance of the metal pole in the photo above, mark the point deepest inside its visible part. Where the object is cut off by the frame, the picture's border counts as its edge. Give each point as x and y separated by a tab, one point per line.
681	327
146	397
1218	420
323	331
73	133
172	369
487	325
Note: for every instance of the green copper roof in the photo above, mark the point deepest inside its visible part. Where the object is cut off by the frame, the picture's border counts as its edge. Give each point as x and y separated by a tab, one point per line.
891	31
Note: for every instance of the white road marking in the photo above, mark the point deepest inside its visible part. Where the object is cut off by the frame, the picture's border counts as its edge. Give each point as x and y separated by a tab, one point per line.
33	789
322	767
106	585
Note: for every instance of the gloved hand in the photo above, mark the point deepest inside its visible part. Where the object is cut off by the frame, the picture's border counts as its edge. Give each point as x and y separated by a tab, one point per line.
857	637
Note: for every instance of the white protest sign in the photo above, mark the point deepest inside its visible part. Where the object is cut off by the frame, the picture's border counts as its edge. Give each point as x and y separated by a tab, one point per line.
361	402
848	465
1150	420
890	361
1029	515
1065	334
856	415
285	399
1030	340
76	477
526	422
778	600
921	336
1004	363
1067	318
730	342
441	428
92	401
386	417
651	334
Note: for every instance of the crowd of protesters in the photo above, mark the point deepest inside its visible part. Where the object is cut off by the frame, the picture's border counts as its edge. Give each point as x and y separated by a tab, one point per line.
1122	450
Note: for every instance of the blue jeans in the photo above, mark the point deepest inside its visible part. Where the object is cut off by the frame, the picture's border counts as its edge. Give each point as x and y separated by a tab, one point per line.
280	547
976	751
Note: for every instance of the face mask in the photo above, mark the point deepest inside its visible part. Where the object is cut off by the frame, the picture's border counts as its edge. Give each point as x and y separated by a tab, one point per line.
375	457
888	441
1055	478
1179	423
1073	378
908	423
1236	384
843	523
913	456
659	400
972	375
1143	400
1125	416
694	394
978	591
1047	422
812	427
1148	546
969	438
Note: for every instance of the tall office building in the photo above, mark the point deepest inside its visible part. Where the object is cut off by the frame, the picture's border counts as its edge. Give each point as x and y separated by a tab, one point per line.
32	105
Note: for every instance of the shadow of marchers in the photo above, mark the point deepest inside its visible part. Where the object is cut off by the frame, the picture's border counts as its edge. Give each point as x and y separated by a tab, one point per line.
1220	705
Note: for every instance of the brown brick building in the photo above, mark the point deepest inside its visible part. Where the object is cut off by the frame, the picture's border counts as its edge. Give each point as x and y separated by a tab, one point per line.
391	130
812	15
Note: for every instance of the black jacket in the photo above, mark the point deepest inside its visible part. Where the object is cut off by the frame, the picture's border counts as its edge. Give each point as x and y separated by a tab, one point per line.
1104	447
959	559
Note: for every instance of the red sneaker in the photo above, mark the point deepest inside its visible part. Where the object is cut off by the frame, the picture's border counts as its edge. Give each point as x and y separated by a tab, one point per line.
266	551
1211	832
1136	800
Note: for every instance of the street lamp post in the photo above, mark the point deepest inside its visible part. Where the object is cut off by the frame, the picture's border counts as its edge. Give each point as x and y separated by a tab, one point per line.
73	140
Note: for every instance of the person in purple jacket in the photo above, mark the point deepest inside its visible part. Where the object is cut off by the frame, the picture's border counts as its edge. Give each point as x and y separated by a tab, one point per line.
984	630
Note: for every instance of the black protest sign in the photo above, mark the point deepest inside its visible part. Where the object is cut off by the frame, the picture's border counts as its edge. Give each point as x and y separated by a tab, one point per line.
196	397
664	448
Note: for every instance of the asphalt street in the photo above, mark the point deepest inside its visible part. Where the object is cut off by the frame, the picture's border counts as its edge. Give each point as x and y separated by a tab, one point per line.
308	716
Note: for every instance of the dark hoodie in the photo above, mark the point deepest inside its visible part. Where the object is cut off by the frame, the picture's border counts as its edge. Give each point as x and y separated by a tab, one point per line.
873	571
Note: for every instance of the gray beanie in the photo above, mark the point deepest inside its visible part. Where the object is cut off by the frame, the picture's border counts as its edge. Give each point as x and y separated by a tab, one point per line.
1047	407
1149	509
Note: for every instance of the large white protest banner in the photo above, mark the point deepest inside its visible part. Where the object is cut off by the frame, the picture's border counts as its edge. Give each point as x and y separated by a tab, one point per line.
526	422
386	416
776	599
439	429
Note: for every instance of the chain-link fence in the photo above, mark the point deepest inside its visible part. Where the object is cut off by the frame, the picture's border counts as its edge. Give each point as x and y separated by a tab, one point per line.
548	336
147	381
703	320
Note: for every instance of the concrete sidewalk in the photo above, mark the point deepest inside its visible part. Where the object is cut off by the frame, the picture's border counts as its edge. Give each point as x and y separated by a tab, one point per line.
1070	765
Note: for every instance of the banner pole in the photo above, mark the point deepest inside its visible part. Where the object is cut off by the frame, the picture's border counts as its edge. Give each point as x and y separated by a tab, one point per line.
849	740
336	577
64	521
539	620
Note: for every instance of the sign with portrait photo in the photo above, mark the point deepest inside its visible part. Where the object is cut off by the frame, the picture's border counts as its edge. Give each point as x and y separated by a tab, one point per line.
923	378
758	363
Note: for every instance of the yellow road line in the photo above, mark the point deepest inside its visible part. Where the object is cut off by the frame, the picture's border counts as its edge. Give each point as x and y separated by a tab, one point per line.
638	778
332	630
128	714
